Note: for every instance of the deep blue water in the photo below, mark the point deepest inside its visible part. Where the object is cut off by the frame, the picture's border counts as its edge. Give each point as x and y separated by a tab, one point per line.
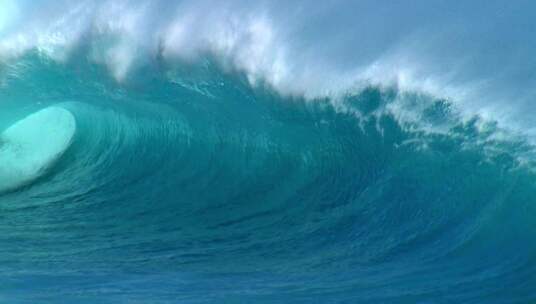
202	180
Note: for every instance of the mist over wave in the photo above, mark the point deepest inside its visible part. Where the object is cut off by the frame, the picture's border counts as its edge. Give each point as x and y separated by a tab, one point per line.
271	152
298	47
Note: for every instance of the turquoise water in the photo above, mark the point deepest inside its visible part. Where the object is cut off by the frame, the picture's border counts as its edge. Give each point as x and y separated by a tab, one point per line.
227	192
199	181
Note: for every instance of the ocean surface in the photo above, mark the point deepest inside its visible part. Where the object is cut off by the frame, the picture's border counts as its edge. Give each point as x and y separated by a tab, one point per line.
210	152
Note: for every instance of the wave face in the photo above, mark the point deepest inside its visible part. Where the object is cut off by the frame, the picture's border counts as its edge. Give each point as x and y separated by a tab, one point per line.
213	177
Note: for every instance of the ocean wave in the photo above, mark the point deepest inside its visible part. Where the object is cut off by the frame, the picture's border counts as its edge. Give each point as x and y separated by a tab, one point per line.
287	49
208	157
192	174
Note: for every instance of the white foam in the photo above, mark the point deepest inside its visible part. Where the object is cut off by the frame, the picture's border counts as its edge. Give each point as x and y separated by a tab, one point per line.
310	52
32	145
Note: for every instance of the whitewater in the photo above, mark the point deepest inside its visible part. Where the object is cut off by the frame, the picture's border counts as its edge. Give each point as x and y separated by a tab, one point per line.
267	152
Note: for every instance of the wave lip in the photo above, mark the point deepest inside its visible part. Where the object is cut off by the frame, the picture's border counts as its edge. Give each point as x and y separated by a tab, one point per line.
30	146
